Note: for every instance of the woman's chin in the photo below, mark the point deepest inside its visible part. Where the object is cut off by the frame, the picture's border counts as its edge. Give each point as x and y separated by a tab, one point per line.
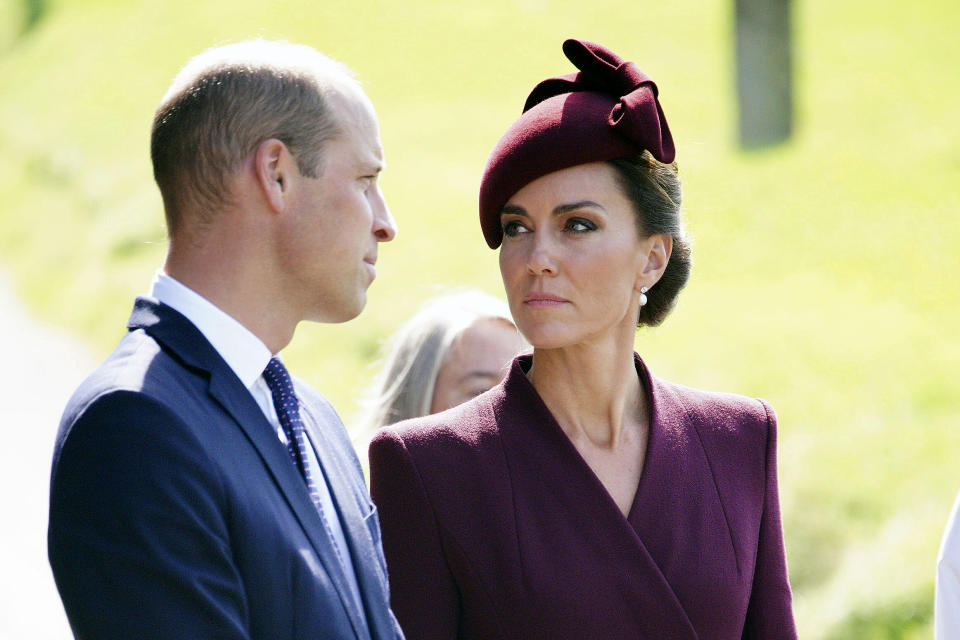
546	340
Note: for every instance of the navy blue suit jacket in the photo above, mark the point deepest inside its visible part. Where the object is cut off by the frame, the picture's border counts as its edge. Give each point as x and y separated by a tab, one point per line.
175	511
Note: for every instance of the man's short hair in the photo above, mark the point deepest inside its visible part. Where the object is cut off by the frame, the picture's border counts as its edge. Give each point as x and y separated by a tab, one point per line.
225	102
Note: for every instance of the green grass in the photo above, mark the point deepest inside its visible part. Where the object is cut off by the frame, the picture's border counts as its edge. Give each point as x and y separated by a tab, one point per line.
825	268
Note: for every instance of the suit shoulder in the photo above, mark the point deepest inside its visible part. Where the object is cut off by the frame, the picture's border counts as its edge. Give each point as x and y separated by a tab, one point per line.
467	426
448	455
137	365
125	369
456	443
136	378
721	414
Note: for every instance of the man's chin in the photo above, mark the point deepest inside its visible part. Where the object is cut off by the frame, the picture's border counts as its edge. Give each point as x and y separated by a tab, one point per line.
343	312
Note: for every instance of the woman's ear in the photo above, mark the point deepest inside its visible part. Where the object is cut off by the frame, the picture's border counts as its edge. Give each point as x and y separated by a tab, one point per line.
657	249
272	165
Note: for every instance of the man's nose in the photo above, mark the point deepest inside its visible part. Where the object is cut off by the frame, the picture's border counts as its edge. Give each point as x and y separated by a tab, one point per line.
384	226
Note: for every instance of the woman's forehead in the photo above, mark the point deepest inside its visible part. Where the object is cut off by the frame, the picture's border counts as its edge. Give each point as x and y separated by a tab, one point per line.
586	183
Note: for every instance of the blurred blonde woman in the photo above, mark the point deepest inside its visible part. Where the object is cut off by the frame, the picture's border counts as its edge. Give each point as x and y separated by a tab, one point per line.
456	347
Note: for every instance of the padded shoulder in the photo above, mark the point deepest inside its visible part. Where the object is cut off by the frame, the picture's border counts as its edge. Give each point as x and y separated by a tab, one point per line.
140	366
718	416
468	426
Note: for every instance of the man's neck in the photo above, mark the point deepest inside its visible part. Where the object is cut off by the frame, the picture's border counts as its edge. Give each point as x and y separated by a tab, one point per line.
239	288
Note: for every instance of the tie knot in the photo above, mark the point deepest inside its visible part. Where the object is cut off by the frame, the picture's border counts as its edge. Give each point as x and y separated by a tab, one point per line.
278	379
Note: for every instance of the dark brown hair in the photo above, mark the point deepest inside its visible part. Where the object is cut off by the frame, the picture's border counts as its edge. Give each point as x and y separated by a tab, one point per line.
654	189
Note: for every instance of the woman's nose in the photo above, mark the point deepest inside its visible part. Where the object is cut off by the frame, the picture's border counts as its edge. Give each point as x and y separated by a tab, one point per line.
542	260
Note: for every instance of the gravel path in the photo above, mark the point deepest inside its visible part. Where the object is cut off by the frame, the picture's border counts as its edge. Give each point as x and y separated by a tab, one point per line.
41	368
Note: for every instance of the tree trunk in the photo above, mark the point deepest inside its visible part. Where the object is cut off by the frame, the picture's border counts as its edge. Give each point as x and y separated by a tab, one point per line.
764	72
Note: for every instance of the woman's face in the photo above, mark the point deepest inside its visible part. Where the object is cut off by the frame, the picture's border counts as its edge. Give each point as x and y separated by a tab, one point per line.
572	260
477	361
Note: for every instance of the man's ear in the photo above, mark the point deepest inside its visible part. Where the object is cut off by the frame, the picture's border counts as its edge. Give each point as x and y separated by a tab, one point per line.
658	248
272	165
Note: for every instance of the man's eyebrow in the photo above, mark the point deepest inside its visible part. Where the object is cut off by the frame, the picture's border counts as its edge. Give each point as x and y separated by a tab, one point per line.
512	209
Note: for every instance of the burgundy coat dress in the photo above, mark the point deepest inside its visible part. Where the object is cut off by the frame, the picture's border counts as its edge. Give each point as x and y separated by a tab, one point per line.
495	527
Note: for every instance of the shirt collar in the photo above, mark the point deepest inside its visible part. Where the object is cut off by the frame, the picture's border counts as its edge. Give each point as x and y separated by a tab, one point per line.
243	351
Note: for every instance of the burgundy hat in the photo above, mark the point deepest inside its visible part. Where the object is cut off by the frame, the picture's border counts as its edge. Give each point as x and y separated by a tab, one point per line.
608	110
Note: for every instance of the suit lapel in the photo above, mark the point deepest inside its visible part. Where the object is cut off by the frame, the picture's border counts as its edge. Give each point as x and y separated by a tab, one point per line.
185	342
569	492
242	408
366	562
678	511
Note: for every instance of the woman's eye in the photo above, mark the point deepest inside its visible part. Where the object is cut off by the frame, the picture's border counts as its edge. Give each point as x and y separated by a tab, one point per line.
512	228
579	225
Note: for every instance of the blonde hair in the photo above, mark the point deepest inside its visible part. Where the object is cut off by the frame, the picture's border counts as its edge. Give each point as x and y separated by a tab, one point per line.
226	101
404	386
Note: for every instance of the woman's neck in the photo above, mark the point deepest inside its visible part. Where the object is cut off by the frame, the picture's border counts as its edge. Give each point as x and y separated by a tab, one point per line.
592	389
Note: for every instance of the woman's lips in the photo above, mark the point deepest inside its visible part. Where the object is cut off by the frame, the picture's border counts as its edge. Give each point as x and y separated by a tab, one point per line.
543	300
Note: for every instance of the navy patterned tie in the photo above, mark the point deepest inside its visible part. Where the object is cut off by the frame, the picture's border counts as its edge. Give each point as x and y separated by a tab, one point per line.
288	411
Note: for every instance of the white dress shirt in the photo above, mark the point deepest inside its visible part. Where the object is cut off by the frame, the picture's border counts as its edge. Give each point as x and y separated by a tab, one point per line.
946	609
248	356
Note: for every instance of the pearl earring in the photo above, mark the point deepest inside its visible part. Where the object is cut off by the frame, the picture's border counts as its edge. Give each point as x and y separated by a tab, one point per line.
643	295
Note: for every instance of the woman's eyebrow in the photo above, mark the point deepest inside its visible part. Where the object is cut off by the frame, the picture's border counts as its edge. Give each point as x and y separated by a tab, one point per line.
516	210
573	206
513	210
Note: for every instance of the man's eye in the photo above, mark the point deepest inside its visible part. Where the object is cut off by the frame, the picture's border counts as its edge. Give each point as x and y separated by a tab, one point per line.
512	228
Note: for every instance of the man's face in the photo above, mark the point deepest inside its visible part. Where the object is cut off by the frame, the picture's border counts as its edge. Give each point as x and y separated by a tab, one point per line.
330	240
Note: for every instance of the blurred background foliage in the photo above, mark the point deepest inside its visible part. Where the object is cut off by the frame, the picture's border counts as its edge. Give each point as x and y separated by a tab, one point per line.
825	267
